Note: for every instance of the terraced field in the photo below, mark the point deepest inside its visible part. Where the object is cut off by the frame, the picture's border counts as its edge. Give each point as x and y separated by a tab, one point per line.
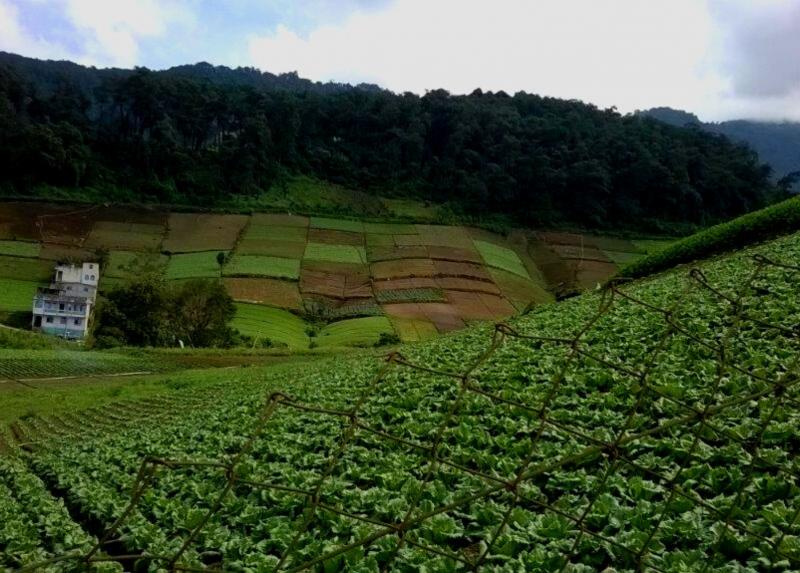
332	269
650	426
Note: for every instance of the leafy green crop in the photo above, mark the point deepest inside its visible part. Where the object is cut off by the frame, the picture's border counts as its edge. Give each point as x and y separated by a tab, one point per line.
649	427
759	225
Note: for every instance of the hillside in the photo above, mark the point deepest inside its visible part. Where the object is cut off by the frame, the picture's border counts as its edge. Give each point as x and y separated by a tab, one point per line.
777	143
648	426
309	281
203	134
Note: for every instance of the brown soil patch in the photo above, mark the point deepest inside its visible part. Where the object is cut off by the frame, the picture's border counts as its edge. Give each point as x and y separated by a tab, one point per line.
335	237
376	254
614	244
443	315
402	269
352	283
404	284
202	232
479	306
53	252
273	292
125	236
454	254
463	270
268	247
444	236
68	224
467	285
279	220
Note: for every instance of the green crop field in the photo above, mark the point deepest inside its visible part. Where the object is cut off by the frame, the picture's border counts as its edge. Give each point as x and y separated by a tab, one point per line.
278	325
193	265
649	427
17	295
48	363
337	224
502	258
20	249
335	253
354	332
25	269
262	266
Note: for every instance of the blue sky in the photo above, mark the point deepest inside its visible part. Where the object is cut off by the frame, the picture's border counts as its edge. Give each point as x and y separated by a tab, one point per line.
719	58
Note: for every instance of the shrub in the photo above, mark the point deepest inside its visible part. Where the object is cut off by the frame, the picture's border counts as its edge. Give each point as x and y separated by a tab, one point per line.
387	338
767	223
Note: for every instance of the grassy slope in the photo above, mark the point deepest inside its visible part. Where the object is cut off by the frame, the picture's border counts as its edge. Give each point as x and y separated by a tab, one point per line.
586	402
761	225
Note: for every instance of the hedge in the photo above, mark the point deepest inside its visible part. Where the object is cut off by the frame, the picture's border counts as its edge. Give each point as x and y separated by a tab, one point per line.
761	225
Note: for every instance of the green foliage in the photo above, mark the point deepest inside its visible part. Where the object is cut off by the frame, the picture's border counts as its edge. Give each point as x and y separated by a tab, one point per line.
262	266
16	295
647	435
502	258
162	137
760	225
20	339
149	312
365	331
265	322
194	265
19	249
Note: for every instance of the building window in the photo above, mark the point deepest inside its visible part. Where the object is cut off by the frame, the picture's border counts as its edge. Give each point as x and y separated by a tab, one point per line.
92	277
78	321
49	319
86	278
63	320
69	287
85	289
61	306
39	303
91	267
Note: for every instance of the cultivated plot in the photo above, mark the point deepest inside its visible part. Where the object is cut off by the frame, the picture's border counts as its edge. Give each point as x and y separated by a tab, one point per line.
194	265
202	232
275	324
262	266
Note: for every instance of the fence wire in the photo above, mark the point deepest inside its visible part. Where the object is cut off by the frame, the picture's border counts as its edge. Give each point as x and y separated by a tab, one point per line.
696	420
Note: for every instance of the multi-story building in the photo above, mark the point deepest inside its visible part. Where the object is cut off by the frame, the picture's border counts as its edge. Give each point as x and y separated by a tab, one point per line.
65	307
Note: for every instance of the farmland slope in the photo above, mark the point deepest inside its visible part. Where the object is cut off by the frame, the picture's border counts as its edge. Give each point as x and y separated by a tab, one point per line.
650	426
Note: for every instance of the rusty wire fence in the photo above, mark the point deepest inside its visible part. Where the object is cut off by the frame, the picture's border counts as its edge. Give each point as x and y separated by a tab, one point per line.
696	420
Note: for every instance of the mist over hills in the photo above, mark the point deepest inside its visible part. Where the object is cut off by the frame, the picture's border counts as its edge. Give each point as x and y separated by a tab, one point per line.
777	143
198	133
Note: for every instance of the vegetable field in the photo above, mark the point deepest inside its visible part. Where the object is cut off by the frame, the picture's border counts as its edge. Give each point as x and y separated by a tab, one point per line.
650	426
344	267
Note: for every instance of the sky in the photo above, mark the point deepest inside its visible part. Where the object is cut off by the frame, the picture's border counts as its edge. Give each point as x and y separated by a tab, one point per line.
720	59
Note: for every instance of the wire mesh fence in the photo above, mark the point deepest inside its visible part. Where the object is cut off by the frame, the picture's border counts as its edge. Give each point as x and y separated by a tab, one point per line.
696	422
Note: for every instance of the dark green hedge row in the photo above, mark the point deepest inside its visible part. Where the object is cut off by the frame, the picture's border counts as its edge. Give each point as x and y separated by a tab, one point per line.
773	221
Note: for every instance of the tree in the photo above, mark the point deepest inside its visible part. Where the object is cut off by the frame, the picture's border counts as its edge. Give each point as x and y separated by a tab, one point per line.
202	311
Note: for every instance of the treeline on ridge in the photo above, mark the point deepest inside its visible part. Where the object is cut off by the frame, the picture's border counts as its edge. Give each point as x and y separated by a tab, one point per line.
197	135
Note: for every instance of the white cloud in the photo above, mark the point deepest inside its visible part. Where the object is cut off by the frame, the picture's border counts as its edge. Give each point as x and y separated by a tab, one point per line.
114	29
13	38
632	54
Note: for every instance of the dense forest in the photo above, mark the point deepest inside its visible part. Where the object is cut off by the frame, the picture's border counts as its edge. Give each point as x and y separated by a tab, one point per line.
777	143
200	133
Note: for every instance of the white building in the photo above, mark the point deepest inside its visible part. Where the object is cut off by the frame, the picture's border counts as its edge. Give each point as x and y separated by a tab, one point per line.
65	307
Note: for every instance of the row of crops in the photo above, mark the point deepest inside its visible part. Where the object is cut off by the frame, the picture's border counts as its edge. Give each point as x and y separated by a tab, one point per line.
649	427
21	364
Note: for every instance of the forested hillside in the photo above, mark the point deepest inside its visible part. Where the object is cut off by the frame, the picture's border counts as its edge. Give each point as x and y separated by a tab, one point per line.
200	133
777	143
